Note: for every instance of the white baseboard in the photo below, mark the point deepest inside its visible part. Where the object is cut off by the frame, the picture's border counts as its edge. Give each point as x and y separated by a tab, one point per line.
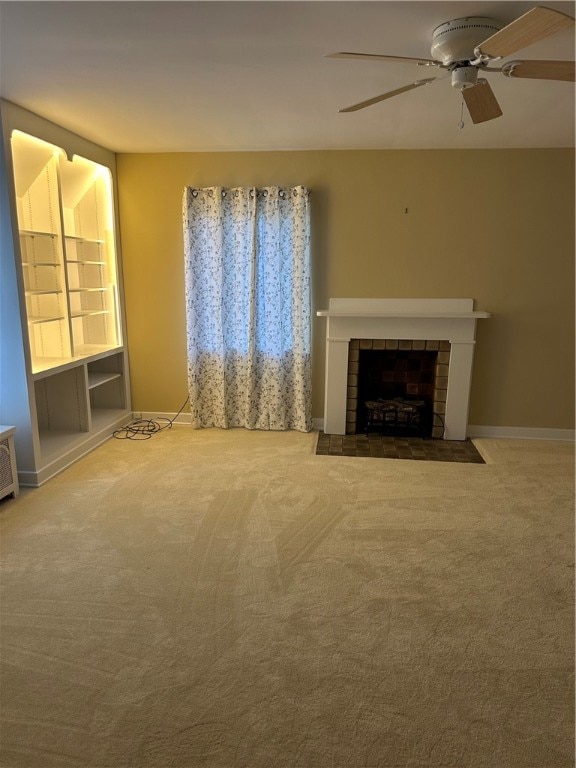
183	418
522	433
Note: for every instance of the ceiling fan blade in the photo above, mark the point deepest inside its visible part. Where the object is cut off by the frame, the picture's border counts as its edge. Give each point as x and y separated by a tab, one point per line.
525	30
481	102
541	70
388	95
381	57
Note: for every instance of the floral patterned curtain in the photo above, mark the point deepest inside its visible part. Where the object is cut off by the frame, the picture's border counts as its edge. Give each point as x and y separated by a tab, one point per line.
247	261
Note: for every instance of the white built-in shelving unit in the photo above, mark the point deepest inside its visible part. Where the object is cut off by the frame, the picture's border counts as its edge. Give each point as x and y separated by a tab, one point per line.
64	368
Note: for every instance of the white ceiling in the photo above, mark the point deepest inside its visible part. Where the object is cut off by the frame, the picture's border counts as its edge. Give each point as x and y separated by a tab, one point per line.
220	76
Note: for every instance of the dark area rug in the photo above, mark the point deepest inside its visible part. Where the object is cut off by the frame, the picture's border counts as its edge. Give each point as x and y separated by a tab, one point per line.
378	446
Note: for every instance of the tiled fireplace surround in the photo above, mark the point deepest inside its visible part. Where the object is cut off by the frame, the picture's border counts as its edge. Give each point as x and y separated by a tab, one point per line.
446	325
441	367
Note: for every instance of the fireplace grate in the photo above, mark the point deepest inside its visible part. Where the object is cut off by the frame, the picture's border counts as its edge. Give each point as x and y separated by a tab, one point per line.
397	413
397	416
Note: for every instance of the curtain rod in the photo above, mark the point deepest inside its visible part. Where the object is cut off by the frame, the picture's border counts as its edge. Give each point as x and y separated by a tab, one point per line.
282	191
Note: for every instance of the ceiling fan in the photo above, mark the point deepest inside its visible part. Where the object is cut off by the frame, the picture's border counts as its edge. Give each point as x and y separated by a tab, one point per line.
465	47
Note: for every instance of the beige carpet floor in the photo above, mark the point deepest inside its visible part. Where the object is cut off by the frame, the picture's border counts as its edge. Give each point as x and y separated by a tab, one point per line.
231	600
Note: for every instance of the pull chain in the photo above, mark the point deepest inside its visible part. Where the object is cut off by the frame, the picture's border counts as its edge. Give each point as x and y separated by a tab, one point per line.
461	123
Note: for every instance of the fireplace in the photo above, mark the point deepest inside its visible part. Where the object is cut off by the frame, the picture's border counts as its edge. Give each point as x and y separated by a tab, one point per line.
397	386
444	326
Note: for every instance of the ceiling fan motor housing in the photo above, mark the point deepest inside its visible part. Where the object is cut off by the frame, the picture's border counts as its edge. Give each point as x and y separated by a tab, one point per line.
454	41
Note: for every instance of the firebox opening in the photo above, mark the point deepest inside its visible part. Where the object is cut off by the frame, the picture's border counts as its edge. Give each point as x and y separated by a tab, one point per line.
396	392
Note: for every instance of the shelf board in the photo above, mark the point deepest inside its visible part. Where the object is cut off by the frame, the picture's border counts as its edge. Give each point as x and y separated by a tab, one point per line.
86	290
87	350
37	233
78	239
95	379
41	293
45	319
85	261
88	312
50	365
106	417
54	441
40	264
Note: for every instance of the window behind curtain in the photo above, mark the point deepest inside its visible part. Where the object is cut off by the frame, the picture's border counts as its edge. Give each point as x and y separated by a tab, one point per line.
247	262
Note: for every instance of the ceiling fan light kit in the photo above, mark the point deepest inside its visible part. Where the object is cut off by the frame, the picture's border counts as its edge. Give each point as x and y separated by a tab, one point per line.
466	46
464	77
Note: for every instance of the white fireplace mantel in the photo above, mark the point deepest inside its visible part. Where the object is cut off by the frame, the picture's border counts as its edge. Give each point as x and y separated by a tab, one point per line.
452	320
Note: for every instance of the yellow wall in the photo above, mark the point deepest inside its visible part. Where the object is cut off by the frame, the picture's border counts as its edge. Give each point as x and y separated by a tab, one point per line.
493	225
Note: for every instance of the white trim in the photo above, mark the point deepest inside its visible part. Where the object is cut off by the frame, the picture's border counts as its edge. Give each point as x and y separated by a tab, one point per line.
400	306
452	320
526	433
36	478
183	419
332	313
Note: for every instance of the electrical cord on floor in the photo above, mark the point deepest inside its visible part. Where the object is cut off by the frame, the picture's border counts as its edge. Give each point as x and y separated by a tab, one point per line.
143	429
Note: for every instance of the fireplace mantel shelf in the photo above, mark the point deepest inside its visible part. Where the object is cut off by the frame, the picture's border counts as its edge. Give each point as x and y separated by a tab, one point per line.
465	315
